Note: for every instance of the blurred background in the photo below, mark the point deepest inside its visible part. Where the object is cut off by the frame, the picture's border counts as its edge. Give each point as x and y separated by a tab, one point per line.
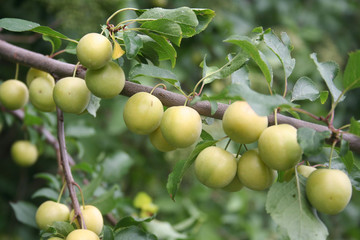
103	146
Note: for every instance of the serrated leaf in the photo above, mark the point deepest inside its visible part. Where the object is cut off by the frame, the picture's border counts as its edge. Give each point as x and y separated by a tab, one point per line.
108	234
354	126
204	17
62	228
165	27
17	25
155	72
94	105
311	141
133	44
281	48
129	221
262	104
25	212
182	166
328	71
324	96
47	193
183	16
289	208
348	160
305	89
132	233
351	77
250	48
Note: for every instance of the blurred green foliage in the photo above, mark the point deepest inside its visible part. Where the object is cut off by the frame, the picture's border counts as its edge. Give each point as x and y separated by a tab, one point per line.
104	147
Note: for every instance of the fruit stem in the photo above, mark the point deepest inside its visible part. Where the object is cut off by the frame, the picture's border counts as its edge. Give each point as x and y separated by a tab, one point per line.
81	194
285	87
238	152
75	69
61	192
275	116
227	144
156	86
17	71
119	11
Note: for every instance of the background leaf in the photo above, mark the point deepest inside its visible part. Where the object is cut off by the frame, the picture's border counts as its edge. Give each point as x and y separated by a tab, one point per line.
351	78
17	25
133	44
305	89
289	208
25	213
131	221
132	233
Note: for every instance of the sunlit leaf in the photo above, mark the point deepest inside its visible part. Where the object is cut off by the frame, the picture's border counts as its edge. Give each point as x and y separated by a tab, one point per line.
281	48
287	204
164	27
117	50
305	89
328	71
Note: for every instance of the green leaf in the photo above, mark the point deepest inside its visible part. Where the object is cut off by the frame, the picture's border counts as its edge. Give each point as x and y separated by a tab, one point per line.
155	72
133	44
344	148
164	230
206	136
94	105
89	189
129	221
17	25
61	228
204	17
49	32
183	16
250	48
354	126
281	48
287	204
108	234
262	104
182	166
210	73
351	77
47	193
79	131
328	71
305	89
25	213
348	160
51	179
324	96
311	141
165	27
71	48
55	42
132	233
106	202
164	49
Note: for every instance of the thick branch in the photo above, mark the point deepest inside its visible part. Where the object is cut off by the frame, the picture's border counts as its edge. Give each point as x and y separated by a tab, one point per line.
61	69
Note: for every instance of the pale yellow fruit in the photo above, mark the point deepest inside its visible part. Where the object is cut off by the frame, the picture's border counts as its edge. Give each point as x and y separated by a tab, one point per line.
50	212
215	167
159	142
94	50
93	218
24	153
13	94
35	73
142	113
41	94
71	95
181	126
82	234
242	124
305	170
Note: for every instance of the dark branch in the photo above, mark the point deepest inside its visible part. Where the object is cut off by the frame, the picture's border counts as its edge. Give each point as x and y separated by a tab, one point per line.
61	69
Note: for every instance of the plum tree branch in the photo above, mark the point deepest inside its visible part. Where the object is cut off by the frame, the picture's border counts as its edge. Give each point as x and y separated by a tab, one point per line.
60	69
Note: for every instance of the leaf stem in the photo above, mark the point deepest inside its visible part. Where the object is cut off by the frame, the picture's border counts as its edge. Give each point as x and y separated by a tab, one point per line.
238	152
275	116
75	69
331	152
227	144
